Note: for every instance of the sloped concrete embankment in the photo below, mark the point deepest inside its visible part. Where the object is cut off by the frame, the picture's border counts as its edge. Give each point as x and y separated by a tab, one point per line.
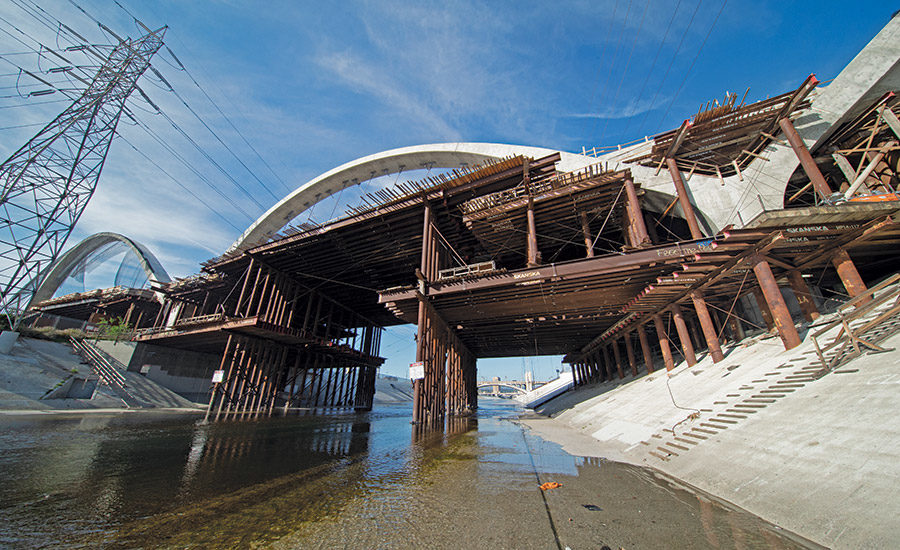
40	375
816	452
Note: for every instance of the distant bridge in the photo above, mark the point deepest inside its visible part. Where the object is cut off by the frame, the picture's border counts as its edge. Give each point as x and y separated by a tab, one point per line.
513	387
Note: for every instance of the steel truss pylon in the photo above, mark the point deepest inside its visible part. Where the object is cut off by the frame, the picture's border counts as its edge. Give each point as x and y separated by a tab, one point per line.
47	183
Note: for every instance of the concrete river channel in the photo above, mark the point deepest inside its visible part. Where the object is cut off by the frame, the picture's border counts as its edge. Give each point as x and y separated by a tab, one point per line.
164	480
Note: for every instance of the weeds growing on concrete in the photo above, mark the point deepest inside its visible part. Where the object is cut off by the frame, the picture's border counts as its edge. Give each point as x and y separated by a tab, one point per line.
53	334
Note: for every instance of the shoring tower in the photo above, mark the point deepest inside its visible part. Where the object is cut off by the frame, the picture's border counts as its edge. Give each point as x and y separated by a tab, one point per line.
47	183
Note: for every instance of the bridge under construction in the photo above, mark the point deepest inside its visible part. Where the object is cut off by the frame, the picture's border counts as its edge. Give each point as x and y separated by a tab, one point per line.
514	258
622	260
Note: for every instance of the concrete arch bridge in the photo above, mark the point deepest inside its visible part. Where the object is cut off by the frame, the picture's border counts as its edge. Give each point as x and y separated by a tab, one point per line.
512	387
611	259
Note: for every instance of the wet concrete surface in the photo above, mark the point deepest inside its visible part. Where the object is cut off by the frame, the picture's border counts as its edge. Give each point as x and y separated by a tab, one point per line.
339	481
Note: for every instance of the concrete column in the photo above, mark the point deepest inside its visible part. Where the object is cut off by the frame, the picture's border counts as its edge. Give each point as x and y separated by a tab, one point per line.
806	161
586	232
780	314
618	358
764	308
663	342
853	283
683	199
635	216
803	295
684	335
706	325
645	348
629	351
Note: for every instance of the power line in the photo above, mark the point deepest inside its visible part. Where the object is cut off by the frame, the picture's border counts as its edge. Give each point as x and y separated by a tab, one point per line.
207	126
227	119
627	64
688	72
174	179
612	66
671	62
182	67
650	70
190	167
150	132
177	127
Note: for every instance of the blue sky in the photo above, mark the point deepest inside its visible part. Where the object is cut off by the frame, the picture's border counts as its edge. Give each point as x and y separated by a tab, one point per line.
312	85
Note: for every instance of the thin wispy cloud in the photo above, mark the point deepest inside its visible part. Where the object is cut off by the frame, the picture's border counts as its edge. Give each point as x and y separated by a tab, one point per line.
366	78
628	110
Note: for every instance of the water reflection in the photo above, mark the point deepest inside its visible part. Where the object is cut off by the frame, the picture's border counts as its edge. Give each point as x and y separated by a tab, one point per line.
65	478
357	480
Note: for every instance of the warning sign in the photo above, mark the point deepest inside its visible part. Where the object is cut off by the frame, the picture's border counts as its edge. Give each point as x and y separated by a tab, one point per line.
218	376
416	371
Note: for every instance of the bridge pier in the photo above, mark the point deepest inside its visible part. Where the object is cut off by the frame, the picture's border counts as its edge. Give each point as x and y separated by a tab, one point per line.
449	386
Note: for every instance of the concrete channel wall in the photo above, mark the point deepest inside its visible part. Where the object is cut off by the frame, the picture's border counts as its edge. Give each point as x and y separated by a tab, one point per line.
187	373
764	429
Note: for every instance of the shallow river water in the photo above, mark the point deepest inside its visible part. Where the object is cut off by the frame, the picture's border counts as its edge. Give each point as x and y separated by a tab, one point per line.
150	480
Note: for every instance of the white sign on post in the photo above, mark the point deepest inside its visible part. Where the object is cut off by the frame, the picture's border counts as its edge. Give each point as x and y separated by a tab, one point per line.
416	371
218	376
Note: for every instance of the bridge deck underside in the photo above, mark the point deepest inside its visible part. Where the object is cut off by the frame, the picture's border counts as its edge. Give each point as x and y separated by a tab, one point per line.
562	308
381	248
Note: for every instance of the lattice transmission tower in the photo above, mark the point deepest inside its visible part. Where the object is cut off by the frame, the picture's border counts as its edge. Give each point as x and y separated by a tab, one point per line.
47	183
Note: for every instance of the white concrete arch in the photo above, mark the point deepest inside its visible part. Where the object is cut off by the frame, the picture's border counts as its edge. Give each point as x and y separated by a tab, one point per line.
435	155
490	384
62	268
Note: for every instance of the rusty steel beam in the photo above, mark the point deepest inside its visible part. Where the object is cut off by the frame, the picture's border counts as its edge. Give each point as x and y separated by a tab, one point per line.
418	390
629	351
618	358
586	233
706	325
684	335
606	371
803	295
645	348
764	308
534	255
683	199
779	310
635	216
806	160
846	270
663	342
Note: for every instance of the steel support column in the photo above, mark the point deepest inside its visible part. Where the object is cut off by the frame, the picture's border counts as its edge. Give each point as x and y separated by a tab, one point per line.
772	294
617	356
806	161
684	335
846	269
683	199
586	233
764	309
663	342
607	365
629	351
635	216
706	325
418	389
534	256
803	295
645	348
